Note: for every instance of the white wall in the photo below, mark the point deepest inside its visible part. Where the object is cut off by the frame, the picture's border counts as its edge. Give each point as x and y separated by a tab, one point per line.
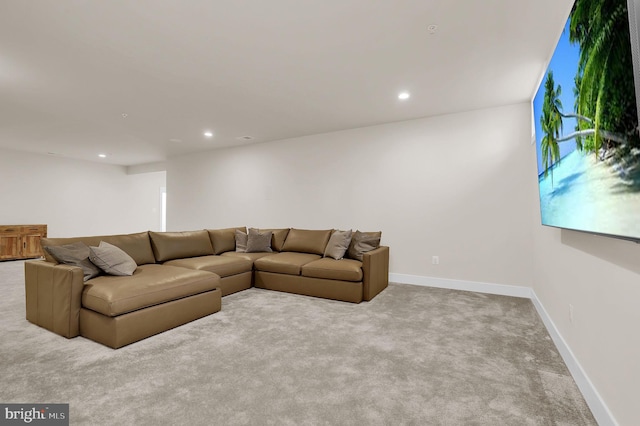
460	186
600	277
450	186
75	198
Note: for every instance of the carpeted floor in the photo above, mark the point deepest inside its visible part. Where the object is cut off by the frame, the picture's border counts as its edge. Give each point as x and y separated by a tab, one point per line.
412	356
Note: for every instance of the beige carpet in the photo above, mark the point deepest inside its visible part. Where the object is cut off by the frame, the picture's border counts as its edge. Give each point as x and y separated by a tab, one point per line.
412	356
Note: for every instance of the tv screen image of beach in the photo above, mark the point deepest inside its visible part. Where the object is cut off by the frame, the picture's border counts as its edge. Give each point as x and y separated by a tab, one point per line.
586	125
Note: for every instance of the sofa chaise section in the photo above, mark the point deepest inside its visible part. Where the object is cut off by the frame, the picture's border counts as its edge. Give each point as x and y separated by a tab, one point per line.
117	310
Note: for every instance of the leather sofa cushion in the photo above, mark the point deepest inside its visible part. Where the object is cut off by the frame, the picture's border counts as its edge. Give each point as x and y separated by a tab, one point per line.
344	269
223	266
248	256
278	237
178	245
307	241
285	263
138	245
148	286
224	240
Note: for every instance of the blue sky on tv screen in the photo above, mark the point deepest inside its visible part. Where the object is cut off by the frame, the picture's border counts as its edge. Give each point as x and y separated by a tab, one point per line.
564	64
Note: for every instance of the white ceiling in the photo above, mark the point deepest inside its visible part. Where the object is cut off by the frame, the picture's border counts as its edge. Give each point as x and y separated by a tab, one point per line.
271	69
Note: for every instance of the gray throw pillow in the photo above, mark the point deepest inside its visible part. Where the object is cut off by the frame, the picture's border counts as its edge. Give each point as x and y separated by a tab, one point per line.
258	242
75	254
241	241
362	242
112	260
338	244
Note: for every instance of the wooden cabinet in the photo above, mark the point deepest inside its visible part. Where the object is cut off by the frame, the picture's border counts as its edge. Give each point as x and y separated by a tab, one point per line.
9	244
21	241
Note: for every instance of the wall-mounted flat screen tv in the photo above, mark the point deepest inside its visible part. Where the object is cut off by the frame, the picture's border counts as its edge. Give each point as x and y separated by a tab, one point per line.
586	122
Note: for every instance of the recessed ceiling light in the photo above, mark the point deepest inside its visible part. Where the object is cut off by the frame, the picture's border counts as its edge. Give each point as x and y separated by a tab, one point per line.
244	138
404	95
125	115
208	134
102	155
432	28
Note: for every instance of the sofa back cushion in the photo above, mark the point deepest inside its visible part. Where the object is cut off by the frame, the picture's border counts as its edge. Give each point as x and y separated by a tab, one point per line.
138	245
278	237
307	241
180	245
224	240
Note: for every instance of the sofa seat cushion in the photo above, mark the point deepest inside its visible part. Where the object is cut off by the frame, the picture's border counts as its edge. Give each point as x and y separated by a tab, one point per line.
148	286
285	263
344	269
223	266
248	256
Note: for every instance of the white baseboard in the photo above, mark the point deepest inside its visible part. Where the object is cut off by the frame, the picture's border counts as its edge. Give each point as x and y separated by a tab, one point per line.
600	411
480	287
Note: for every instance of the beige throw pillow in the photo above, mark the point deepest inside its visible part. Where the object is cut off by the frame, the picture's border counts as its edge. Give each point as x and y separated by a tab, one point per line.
258	242
362	242
241	241
112	260
75	254
338	244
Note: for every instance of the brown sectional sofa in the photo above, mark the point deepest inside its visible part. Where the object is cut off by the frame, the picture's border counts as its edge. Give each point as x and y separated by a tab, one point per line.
181	276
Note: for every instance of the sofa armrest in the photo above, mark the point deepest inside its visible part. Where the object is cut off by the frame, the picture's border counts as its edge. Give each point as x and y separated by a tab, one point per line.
375	268
54	296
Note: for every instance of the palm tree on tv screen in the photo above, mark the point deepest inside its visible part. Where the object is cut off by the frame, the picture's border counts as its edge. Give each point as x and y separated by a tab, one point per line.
551	122
604	81
605	105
